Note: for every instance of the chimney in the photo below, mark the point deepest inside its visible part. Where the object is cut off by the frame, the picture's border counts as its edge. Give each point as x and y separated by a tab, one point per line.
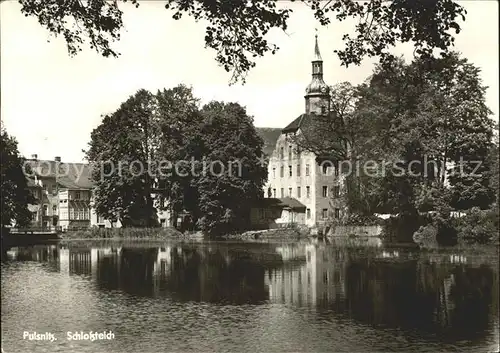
34	156
57	159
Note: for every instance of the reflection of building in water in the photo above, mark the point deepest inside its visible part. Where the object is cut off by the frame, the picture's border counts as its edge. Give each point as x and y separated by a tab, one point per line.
319	280
389	255
44	253
83	261
289	252
163	261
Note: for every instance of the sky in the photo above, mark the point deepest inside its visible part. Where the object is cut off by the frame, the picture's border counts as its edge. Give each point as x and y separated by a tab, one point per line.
51	102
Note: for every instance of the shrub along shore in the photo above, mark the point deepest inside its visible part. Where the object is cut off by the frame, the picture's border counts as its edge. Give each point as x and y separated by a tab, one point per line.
173	234
477	226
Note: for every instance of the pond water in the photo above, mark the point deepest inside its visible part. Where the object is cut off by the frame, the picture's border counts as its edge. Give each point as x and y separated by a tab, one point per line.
222	297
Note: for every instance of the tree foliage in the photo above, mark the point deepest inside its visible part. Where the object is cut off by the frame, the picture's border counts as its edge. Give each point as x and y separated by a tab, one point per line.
203	162
237	174
15	195
180	123
120	152
236	29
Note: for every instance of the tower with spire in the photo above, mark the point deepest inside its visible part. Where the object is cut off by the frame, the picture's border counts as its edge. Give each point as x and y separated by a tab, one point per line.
317	92
297	176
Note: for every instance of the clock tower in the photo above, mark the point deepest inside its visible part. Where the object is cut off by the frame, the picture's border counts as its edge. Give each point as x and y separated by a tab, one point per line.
317	92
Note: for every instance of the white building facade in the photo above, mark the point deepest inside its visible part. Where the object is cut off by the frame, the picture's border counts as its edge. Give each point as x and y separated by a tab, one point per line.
299	175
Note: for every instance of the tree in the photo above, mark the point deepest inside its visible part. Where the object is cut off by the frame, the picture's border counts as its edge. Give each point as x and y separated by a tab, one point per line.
494	170
430	116
236	29
180	124
120	153
236	175
15	195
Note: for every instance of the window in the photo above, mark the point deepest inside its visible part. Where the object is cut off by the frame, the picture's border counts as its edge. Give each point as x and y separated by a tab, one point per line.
289	170
308	213
336	191
308	191
274	173
282	172
33	216
336	169
290	192
261	213
274	192
325	169
54	190
290	149
325	191
323	110
282	153
282	192
77	195
54	209
45	208
337	213
298	169
298	192
71	213
324	213
307	169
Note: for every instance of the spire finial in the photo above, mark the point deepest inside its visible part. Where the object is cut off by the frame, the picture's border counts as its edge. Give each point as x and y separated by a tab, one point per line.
317	55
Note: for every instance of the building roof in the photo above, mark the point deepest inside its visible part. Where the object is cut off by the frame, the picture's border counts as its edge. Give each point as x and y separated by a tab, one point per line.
68	175
285	202
270	136
292	203
296	124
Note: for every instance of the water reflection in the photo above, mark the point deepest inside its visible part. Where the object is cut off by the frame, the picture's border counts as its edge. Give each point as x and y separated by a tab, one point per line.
433	293
432	297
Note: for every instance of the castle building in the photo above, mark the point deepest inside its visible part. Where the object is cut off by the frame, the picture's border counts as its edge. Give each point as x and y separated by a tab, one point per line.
299	174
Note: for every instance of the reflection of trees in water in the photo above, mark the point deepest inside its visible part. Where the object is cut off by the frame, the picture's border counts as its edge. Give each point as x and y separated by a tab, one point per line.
454	300
475	297
187	273
393	289
216	276
130	270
